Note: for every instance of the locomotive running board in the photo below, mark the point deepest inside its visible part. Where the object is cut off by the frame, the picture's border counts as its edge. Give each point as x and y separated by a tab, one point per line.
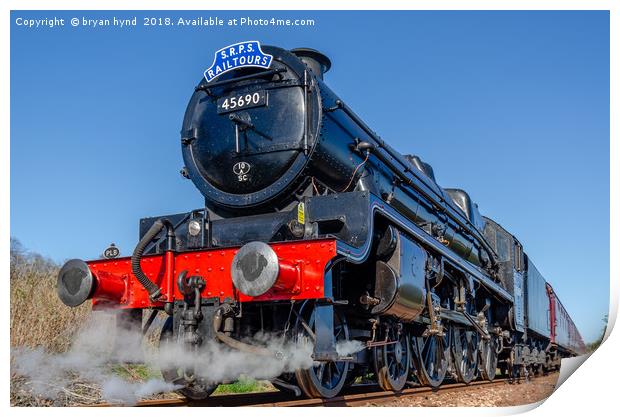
359	255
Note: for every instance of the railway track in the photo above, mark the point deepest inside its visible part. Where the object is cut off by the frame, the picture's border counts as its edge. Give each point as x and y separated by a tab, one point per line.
357	395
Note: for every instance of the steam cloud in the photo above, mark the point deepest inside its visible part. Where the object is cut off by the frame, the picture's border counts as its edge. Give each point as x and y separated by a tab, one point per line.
102	343
96	346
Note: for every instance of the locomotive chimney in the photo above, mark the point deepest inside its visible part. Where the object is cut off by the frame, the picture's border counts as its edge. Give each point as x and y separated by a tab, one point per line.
318	63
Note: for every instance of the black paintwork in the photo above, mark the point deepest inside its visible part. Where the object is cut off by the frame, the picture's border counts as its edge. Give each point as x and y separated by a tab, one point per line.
297	163
307	135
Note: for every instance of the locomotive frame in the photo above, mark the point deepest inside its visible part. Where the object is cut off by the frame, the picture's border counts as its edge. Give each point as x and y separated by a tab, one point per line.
316	230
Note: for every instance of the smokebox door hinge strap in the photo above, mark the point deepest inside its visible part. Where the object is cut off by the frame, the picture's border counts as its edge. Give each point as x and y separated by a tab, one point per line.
189	135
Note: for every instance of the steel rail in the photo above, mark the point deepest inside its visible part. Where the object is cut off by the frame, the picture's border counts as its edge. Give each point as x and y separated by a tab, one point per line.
282	399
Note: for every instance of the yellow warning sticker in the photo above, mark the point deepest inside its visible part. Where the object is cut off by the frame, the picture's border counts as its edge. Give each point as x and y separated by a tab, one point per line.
301	213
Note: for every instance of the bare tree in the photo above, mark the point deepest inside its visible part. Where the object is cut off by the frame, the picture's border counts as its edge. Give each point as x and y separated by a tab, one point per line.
591	347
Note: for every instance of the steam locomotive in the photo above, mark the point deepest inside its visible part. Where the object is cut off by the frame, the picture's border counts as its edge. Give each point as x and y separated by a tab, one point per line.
316	230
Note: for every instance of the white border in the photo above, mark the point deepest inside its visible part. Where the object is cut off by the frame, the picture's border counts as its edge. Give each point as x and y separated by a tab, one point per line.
239	66
591	390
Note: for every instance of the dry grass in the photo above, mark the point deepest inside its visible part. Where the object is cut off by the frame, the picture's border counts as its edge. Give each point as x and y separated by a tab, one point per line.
38	317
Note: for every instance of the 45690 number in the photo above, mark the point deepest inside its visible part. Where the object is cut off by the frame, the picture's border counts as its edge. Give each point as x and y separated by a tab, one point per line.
242	101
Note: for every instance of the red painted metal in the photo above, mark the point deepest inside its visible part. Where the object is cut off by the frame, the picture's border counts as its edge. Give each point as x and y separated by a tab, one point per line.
169	276
302	269
289	276
552	313
564	332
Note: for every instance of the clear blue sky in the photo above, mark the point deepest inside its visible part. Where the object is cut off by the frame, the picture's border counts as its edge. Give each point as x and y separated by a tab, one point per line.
511	106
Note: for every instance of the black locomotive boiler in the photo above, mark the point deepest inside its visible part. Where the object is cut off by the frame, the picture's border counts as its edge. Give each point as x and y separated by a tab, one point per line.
315	229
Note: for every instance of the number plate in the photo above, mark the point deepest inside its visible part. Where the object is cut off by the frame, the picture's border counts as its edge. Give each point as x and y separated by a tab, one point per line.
242	101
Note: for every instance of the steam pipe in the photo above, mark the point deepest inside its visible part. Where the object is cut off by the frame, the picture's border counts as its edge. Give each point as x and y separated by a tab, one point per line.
169	275
294	388
234	343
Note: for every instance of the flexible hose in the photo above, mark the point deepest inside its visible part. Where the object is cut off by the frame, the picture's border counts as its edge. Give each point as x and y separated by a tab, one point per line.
153	290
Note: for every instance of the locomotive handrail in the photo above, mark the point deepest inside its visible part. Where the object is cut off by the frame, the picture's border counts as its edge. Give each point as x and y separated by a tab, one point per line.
358	255
468	225
205	87
403	174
